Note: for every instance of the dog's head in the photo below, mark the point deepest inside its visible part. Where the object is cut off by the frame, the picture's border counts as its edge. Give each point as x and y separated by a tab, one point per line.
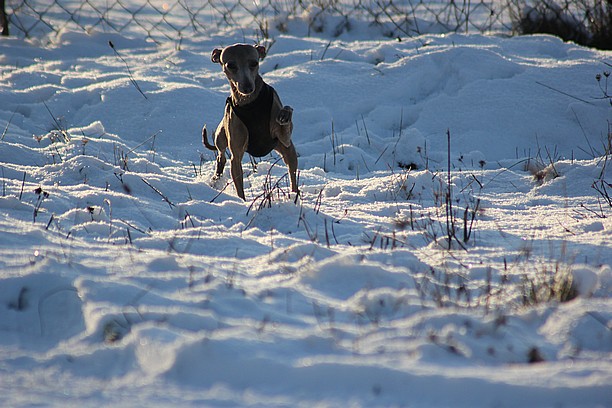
240	63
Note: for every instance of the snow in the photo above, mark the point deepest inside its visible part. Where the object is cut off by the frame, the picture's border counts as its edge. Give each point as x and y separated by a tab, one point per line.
129	278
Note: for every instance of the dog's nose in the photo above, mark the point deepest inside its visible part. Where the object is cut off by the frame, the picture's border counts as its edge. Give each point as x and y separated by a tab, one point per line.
246	88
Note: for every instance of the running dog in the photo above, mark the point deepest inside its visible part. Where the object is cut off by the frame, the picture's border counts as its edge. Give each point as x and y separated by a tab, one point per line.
255	121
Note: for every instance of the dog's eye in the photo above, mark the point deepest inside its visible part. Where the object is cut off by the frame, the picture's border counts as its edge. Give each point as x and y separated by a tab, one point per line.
231	66
253	64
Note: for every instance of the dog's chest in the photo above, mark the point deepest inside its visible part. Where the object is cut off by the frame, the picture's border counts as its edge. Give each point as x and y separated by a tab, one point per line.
256	118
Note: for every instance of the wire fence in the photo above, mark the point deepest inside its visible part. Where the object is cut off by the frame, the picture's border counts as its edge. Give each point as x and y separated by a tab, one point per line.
162	20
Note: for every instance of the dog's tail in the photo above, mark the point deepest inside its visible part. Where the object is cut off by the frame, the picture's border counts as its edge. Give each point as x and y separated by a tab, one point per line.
205	140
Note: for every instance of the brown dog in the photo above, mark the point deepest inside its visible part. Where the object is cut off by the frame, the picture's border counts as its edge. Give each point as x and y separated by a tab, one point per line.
255	121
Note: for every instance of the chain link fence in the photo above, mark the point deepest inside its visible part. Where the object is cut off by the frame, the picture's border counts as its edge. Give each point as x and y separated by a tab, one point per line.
161	20
175	20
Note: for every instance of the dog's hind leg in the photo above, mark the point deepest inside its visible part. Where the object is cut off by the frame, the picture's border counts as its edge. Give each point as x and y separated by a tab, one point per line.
219	147
289	156
221	144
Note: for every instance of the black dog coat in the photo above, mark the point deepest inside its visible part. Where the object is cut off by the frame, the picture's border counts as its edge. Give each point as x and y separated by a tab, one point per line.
256	118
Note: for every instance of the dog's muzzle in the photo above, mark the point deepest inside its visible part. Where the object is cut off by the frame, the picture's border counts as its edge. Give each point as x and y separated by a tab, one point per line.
245	87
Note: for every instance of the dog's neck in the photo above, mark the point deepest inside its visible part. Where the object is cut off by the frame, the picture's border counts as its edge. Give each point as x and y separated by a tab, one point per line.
239	99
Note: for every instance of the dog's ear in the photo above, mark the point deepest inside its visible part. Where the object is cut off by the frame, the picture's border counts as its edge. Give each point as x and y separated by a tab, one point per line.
261	50
216	56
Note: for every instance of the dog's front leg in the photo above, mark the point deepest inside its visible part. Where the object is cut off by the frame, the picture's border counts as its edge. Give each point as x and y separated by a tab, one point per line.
285	116
238	138
283	127
237	176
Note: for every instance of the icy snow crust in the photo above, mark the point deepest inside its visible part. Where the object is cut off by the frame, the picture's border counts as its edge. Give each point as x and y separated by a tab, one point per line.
129	279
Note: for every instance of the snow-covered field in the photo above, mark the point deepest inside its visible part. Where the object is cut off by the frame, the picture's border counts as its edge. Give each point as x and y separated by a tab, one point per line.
129	279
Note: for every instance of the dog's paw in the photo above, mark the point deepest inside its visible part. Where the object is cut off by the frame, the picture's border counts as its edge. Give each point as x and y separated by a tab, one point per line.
285	115
218	182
